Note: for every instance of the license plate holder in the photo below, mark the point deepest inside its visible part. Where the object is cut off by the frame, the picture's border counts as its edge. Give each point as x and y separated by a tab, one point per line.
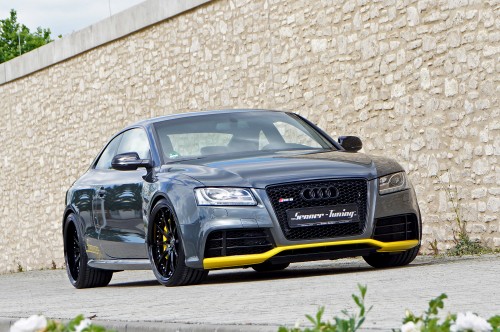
322	215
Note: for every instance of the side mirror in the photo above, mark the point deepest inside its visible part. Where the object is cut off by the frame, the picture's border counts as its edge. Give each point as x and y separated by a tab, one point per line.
350	143
130	161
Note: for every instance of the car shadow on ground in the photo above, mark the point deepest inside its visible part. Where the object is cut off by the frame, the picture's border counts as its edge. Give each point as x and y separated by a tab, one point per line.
231	276
249	275
140	283
294	271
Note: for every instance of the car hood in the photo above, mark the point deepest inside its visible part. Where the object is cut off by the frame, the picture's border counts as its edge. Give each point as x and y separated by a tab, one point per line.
261	171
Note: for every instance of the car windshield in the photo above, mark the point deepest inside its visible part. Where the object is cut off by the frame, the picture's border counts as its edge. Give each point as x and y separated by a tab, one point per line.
239	132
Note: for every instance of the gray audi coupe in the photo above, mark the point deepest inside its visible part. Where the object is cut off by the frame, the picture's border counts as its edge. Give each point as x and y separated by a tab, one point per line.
188	193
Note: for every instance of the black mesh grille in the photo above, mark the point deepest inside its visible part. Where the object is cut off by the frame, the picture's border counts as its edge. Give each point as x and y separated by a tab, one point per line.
349	191
237	242
396	228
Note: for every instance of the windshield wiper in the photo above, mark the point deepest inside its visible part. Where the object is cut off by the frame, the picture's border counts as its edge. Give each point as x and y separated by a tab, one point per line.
303	151
173	161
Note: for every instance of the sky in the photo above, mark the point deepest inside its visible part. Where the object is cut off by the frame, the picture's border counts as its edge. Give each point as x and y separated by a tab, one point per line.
62	16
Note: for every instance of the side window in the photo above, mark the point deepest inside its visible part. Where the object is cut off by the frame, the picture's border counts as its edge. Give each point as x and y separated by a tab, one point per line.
135	140
294	135
109	152
263	141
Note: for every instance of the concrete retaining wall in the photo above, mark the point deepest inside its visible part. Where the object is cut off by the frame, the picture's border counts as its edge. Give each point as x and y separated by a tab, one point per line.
417	80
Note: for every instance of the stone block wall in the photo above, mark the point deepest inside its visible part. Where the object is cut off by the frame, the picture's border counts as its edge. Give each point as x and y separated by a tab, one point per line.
416	80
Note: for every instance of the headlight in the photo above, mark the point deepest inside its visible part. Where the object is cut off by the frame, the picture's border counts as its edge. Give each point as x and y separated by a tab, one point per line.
392	183
224	196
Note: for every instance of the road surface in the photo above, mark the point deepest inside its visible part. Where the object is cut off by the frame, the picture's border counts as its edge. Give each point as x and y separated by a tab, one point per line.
243	300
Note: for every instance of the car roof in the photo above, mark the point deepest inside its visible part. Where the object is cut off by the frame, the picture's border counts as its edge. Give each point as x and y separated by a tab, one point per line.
150	121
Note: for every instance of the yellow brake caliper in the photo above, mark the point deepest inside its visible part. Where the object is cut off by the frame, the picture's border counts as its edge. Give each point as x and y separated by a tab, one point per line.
164	237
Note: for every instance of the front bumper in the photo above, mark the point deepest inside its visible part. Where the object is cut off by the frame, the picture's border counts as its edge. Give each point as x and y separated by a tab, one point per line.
197	227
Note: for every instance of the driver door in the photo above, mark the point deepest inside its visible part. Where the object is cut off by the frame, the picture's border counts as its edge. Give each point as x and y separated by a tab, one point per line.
118	203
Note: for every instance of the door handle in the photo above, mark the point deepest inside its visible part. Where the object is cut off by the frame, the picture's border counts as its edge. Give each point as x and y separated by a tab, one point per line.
96	223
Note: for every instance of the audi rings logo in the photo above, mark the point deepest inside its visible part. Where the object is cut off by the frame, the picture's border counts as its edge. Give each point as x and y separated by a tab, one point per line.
310	194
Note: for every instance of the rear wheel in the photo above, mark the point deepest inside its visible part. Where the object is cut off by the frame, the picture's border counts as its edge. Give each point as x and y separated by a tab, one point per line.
79	273
381	260
268	267
166	252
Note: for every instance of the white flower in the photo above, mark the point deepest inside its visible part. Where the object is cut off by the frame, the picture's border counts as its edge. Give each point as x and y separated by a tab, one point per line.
411	327
470	322
83	325
31	324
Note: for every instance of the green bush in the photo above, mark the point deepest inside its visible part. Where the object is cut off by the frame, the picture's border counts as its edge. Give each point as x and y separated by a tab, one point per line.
351	322
38	323
429	321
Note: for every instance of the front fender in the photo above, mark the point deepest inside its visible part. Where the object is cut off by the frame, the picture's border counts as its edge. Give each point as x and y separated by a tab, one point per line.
177	189
385	166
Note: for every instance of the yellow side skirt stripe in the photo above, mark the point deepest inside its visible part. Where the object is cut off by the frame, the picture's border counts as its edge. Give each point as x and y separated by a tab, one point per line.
243	260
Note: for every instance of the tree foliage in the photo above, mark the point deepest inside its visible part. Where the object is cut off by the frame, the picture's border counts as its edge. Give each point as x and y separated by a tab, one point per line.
16	38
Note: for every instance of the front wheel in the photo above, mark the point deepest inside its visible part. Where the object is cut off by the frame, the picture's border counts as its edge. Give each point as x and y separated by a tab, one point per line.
166	252
79	273
384	259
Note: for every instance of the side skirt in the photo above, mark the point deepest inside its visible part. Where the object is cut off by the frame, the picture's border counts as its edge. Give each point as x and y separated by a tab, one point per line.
120	264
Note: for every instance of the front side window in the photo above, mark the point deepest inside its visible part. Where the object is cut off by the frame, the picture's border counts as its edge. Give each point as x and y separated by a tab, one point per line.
135	140
109	152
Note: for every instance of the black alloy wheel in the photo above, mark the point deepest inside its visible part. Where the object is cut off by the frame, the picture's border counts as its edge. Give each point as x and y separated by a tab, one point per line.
165	245
386	259
79	273
166	252
73	254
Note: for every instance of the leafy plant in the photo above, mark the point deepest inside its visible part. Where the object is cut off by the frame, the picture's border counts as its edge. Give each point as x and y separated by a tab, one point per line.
351	323
495	323
465	246
40	323
463	243
434	247
431	322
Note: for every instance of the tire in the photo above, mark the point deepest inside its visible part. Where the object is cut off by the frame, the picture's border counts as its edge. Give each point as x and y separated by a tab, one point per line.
166	252
268	267
383	260
79	273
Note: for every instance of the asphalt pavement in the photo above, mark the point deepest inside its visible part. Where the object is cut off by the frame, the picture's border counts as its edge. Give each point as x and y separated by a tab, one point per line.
244	300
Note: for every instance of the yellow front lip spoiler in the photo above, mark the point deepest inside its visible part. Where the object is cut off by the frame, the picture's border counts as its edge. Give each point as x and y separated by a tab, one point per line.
244	260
